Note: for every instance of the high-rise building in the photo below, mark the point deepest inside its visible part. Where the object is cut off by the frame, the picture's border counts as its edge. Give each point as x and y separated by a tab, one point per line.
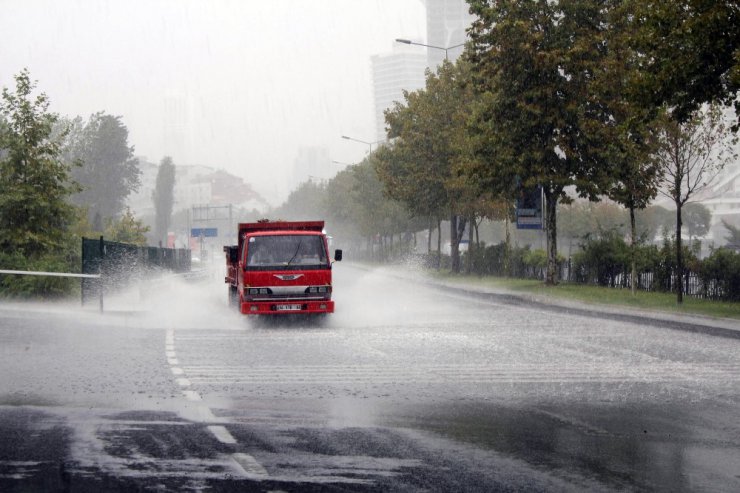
447	22
393	72
403	68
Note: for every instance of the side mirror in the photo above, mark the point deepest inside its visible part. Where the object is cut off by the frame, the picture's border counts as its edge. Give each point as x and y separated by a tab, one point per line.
337	255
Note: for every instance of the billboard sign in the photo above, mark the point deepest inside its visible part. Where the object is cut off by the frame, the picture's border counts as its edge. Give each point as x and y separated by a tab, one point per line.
204	232
529	208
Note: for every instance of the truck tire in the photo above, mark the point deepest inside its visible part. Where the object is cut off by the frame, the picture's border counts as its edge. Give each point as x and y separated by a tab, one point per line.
233	296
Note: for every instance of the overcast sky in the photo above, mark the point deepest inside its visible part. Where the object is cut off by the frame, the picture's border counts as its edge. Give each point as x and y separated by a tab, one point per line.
239	85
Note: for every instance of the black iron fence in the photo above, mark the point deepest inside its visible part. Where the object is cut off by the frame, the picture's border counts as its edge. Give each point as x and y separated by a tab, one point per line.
120	263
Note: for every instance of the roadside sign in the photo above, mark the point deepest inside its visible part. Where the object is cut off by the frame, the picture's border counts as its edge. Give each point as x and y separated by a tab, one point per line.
529	208
204	232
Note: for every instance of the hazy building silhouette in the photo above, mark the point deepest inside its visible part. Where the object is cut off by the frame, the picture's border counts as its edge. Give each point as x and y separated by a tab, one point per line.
393	72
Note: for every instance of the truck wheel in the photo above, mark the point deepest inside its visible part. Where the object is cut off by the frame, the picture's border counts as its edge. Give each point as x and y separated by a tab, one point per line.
233	296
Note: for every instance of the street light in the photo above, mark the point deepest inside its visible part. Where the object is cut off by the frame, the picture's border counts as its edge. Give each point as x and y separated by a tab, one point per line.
409	42
369	144
343	163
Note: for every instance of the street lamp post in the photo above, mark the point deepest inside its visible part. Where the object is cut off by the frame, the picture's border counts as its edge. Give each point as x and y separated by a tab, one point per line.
369	144
453	223
409	42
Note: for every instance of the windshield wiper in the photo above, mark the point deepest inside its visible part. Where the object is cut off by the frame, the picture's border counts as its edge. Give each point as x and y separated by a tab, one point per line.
296	253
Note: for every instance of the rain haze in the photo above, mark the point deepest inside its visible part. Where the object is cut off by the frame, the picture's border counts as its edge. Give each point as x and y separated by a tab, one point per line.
237	85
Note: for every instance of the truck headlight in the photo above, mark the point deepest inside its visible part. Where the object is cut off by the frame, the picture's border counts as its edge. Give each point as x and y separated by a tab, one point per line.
318	289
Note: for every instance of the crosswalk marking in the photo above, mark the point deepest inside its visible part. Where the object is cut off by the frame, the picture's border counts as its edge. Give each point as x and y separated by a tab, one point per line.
317	374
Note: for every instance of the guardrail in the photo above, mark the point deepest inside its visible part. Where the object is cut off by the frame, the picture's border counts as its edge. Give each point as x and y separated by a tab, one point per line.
56	274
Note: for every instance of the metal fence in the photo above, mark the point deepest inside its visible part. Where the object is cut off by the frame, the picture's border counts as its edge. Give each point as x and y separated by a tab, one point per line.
120	263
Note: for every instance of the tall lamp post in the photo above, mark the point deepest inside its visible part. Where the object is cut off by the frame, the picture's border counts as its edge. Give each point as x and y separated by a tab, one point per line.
453	223
445	49
369	144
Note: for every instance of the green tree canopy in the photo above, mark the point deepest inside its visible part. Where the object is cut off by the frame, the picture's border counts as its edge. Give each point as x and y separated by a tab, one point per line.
127	229
532	63
690	52
35	181
108	170
164	198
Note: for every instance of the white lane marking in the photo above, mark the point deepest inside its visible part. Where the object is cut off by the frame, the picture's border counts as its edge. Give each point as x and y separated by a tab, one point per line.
192	395
250	466
222	434
205	414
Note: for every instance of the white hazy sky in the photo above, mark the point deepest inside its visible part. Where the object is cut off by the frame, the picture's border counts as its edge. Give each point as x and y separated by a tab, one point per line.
250	82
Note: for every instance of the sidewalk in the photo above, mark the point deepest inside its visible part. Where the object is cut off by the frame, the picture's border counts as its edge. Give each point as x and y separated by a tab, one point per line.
723	327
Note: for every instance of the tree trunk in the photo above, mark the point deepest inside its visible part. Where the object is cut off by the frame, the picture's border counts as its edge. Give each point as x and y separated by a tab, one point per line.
469	256
457	230
552	242
454	245
679	256
439	243
633	251
429	238
507	251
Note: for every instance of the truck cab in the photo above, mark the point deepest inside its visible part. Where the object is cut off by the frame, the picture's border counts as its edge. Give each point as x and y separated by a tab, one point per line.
281	267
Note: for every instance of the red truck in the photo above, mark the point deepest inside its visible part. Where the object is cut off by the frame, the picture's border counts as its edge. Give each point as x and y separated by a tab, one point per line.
280	267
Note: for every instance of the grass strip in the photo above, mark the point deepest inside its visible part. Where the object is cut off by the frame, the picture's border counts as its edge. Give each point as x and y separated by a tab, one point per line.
643	300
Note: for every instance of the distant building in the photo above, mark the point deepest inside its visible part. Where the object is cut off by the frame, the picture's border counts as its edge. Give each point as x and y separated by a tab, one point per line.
403	68
393	72
723	200
194	186
447	22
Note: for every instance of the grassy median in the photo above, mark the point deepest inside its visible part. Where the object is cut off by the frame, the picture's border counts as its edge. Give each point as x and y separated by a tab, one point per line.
664	302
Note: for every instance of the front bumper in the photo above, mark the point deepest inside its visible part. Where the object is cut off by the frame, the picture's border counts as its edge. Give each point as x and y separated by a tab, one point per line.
272	307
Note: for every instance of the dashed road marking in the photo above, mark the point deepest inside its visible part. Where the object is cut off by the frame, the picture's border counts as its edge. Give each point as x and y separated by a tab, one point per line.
192	395
222	434
245	463
250	466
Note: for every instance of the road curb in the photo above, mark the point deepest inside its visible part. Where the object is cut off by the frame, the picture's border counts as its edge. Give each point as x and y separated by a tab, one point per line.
718	327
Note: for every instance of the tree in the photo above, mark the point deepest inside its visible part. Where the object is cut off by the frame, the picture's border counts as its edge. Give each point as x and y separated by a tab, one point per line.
623	121
698	219
690	53
35	182
127	229
164	198
531	63
733	236
108	170
653	220
421	167
691	155
304	203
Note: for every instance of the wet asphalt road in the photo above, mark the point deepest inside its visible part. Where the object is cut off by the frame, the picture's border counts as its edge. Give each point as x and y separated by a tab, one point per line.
405	388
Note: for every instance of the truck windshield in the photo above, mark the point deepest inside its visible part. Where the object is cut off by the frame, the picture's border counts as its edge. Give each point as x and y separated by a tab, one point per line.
286	252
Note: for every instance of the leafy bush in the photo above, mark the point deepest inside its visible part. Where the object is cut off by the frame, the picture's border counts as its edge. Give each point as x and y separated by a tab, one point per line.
666	264
720	275
25	286
602	260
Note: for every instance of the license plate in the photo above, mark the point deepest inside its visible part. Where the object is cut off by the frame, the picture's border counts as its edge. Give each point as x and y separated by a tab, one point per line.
287	308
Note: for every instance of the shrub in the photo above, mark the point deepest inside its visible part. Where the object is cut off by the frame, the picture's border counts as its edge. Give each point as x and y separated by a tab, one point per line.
720	275
25	286
602	259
